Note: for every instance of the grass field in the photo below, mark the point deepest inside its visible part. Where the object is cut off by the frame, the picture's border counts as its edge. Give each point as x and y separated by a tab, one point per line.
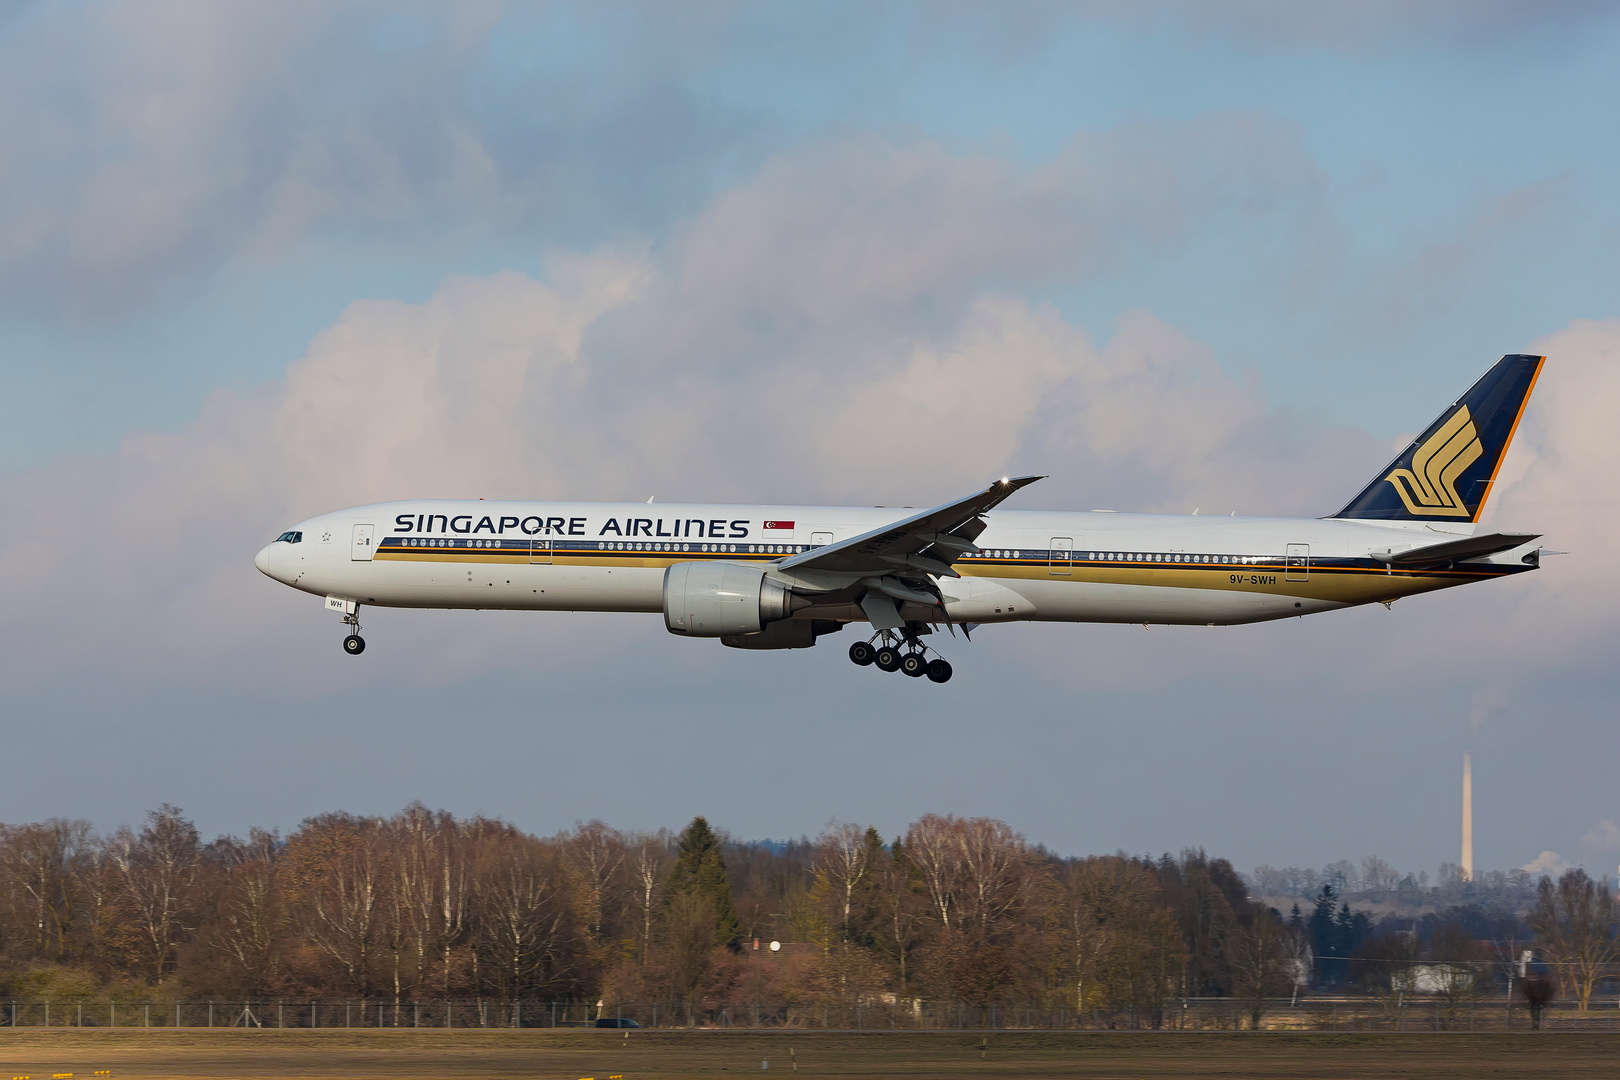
570	1055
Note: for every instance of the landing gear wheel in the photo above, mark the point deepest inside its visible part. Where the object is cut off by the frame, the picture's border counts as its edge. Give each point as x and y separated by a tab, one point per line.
887	658
354	644
914	664
862	653
939	670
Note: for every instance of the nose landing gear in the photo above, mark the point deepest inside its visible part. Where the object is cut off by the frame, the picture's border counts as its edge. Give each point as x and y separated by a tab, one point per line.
889	651
354	644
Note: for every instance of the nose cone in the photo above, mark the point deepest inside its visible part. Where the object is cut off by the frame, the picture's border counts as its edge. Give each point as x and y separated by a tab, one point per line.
265	561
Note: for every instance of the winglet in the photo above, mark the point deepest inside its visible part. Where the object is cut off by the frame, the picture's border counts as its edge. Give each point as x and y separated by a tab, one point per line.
1008	486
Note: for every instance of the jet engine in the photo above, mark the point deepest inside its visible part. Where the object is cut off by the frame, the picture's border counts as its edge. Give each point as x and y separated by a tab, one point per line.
723	599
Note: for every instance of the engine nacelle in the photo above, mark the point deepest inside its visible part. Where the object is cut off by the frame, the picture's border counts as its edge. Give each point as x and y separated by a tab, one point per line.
722	599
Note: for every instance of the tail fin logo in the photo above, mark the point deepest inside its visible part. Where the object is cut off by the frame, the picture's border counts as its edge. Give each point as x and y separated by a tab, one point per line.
1429	487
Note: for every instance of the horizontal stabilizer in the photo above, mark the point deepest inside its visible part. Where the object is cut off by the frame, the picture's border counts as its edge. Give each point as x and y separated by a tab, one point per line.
1473	547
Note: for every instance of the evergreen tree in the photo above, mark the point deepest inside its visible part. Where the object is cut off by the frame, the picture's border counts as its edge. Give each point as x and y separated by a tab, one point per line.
700	871
1324	934
1350	929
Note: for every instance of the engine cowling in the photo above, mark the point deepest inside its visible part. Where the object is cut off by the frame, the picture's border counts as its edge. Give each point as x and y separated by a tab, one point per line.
721	599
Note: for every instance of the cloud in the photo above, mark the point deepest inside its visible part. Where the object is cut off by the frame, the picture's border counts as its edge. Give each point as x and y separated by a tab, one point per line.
142	138
790	344
1491	698
1557	480
1450	270
491	388
832	231
1604	836
1011	34
1361	25
910	375
1548	862
148	143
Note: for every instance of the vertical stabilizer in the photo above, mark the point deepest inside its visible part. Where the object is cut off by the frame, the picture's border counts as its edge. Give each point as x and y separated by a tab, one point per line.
1447	472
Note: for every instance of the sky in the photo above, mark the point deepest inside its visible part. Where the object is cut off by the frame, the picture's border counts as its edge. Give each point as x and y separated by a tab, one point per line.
260	261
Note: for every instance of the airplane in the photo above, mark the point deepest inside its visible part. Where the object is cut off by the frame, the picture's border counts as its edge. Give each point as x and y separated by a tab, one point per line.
782	577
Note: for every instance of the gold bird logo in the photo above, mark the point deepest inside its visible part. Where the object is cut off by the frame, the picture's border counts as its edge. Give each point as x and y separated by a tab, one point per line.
1429	487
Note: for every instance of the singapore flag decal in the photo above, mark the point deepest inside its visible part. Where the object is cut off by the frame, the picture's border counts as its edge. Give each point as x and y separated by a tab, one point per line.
785	526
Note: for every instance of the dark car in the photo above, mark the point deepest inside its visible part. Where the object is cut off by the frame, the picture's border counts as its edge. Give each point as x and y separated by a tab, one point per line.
617	1022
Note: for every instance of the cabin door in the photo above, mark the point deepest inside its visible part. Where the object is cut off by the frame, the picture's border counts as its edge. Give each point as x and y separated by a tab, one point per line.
362	547
1297	563
1062	556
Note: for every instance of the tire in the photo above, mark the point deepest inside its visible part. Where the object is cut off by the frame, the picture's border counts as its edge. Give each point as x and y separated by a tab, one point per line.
887	658
939	670
354	644
862	653
914	664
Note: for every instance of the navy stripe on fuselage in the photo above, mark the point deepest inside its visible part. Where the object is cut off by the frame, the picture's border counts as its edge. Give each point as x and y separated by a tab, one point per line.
454	548
1026	558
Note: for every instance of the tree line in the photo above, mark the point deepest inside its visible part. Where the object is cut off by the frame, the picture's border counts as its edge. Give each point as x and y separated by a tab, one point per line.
425	906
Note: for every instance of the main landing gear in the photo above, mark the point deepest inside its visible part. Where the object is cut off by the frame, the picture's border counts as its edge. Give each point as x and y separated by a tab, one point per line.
903	652
354	644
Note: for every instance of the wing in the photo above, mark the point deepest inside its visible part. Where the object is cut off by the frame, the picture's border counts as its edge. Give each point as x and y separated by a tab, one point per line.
928	542
900	560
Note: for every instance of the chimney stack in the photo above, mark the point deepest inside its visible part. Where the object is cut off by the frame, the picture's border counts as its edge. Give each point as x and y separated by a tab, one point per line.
1468	820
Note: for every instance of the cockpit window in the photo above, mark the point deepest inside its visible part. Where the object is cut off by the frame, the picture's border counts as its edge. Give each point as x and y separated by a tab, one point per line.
291	537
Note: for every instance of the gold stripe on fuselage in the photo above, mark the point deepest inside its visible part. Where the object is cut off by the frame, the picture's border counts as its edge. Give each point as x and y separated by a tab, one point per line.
1341	584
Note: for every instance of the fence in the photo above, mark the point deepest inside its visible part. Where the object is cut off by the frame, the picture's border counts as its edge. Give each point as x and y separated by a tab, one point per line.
883	1012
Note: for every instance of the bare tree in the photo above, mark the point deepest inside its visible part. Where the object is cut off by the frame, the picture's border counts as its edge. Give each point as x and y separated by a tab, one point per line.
1257	956
1576	922
157	870
902	907
431	871
933	844
523	909
248	924
1377	876
649	861
1388	966
46	865
1342	875
1126	948
1458	971
344	897
994	873
1298	959
843	860
596	853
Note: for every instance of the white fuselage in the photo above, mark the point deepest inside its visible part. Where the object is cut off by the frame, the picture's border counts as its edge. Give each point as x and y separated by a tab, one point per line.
1032	565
